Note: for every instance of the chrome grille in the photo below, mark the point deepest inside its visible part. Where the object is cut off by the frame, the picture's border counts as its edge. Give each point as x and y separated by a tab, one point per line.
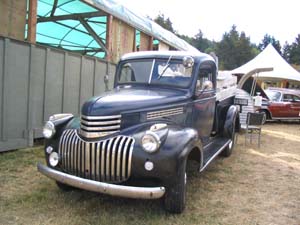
107	161
99	126
164	113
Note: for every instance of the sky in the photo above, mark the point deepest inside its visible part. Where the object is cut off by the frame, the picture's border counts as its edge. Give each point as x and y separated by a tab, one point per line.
278	18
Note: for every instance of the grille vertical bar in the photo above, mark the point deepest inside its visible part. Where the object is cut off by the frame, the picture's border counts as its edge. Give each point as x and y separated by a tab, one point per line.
75	157
93	158
64	148
119	162
107	161
72	150
82	149
97	155
124	164
113	160
103	145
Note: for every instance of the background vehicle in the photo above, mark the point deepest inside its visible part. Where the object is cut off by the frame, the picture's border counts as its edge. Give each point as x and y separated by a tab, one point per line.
283	104
136	140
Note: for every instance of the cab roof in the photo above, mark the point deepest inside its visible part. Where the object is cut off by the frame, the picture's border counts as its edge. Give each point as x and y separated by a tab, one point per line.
166	54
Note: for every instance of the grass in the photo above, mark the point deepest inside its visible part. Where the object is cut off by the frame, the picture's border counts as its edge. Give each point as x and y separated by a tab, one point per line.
253	186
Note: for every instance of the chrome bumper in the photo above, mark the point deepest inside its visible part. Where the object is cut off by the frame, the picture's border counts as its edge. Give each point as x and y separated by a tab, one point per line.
105	188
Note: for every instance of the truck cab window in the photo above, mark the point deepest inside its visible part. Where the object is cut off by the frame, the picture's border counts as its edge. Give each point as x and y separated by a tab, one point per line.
205	80
127	74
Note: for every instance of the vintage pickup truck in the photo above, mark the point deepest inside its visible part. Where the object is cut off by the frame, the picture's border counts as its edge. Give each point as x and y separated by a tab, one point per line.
136	140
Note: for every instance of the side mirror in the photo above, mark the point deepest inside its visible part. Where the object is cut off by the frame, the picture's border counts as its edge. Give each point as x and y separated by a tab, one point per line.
188	61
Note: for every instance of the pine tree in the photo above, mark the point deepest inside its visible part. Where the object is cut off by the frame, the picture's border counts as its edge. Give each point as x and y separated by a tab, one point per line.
270	39
295	51
234	49
165	23
286	51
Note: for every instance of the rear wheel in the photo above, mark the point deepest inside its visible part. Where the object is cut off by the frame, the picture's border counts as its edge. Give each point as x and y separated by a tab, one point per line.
229	148
175	197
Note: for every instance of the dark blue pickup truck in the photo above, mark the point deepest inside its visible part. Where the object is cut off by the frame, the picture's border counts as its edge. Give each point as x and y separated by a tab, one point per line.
136	140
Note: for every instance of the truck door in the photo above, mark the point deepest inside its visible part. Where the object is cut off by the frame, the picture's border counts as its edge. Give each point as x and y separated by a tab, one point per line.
204	102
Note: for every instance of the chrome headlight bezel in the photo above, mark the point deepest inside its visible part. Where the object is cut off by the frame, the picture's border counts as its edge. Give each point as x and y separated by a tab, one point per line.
49	129
150	142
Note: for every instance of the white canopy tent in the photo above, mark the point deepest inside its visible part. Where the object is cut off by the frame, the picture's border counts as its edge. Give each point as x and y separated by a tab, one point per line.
269	58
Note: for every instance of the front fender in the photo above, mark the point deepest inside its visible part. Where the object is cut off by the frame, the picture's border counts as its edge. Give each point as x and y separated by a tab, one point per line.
169	158
61	123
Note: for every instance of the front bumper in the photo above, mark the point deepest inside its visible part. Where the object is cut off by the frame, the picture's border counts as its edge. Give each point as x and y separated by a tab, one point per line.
101	187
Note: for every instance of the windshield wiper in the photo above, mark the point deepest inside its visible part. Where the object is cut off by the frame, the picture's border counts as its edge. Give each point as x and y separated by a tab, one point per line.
165	68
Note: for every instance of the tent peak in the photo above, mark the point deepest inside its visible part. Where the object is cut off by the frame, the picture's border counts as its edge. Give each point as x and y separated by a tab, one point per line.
269	58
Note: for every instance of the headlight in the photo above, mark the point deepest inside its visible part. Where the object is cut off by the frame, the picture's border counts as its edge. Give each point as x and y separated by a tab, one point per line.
150	142
49	130
54	159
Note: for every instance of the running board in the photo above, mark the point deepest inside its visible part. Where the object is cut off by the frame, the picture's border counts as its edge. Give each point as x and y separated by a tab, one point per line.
212	150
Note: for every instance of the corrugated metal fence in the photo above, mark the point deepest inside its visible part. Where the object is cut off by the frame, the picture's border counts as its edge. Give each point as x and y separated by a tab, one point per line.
36	82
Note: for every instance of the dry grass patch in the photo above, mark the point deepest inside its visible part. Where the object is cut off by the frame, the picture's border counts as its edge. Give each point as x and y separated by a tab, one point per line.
253	186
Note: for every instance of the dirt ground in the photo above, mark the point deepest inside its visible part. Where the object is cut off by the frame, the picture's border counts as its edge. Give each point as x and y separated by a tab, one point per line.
253	186
264	185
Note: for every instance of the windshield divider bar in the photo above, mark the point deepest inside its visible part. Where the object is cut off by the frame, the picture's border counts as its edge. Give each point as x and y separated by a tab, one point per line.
151	73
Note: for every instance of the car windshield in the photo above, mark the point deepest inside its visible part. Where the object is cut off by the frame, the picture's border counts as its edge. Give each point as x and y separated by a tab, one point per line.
155	71
273	95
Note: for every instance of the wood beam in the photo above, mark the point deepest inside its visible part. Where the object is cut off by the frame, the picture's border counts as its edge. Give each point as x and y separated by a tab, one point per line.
54	7
89	50
32	20
75	16
109	34
93	33
150	46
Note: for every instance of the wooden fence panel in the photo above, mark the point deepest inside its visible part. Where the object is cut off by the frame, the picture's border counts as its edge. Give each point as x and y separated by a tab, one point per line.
36	82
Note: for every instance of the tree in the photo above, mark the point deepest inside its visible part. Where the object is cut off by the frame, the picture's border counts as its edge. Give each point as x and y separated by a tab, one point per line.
165	23
286	50
294	51
201	43
188	39
234	49
267	40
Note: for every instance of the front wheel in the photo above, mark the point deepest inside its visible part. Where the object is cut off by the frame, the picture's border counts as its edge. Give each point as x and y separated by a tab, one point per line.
175	197
266	116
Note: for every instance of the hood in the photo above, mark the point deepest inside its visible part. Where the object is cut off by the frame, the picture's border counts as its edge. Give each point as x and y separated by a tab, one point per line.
130	98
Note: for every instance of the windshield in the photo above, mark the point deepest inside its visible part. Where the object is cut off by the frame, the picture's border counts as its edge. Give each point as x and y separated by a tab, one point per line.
273	95
155	71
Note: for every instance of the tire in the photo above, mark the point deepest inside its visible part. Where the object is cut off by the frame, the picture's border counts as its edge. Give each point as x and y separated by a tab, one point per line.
64	187
175	197
266	115
229	148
